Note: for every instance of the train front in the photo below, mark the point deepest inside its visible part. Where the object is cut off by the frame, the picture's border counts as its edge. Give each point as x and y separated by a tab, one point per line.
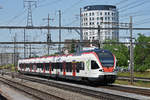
107	65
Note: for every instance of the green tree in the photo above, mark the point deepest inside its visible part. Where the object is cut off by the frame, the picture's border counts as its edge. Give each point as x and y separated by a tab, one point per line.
120	51
142	53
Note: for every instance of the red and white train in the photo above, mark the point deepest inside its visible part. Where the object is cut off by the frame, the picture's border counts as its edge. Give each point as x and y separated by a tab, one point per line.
97	66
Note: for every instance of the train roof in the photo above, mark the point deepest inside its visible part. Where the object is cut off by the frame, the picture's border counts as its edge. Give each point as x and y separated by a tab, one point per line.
74	54
94	50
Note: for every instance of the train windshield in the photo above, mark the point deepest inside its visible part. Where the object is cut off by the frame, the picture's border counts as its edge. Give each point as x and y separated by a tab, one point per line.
106	58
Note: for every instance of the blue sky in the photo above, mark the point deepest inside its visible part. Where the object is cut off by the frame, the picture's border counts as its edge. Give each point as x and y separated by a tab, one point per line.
14	13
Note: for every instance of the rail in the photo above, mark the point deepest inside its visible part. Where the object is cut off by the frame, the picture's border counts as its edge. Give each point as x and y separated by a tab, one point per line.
41	95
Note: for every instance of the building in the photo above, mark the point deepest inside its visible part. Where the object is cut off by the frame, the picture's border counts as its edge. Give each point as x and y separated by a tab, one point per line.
106	16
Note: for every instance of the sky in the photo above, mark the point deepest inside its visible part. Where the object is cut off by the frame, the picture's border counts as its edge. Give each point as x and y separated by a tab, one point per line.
14	13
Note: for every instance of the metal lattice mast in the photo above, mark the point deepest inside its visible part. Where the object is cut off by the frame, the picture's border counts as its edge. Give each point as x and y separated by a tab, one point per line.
29	4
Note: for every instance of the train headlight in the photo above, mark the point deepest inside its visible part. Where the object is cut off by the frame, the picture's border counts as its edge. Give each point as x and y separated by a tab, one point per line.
101	70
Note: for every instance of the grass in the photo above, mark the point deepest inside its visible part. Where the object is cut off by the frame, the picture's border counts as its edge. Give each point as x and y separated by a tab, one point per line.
9	66
136	74
139	83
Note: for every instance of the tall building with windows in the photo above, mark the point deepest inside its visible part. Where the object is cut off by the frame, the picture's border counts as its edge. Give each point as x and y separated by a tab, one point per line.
106	16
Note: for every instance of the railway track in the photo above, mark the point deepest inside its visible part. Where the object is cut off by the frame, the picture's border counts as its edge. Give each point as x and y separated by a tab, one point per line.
38	94
141	91
93	93
136	90
135	79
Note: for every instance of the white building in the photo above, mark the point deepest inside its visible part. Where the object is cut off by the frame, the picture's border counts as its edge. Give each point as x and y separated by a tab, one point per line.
104	15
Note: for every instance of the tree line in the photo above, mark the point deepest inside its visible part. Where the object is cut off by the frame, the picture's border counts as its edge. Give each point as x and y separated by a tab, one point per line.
141	53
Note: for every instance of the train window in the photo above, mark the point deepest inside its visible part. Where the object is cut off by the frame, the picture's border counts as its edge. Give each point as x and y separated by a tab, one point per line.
30	66
34	66
24	66
42	66
38	65
106	58
80	65
21	66
27	65
69	67
55	66
52	66
60	66
47	66
94	65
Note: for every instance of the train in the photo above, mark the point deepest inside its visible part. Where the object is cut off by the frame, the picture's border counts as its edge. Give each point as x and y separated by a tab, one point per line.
93	66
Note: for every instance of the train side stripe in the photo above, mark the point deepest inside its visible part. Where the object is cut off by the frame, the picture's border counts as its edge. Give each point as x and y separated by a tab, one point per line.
64	68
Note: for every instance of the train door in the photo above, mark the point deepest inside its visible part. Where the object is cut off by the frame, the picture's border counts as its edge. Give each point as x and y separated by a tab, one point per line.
87	67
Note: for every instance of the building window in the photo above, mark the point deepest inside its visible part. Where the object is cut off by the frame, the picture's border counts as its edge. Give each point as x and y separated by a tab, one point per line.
101	18
93	14
97	13
105	18
97	18
112	14
108	13
93	38
97	23
90	23
92	18
100	13
89	14
105	13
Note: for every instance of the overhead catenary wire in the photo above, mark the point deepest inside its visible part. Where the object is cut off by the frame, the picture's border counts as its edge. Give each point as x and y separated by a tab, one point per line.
143	22
128	5
15	17
72	22
71	6
50	3
121	2
133	15
134	6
